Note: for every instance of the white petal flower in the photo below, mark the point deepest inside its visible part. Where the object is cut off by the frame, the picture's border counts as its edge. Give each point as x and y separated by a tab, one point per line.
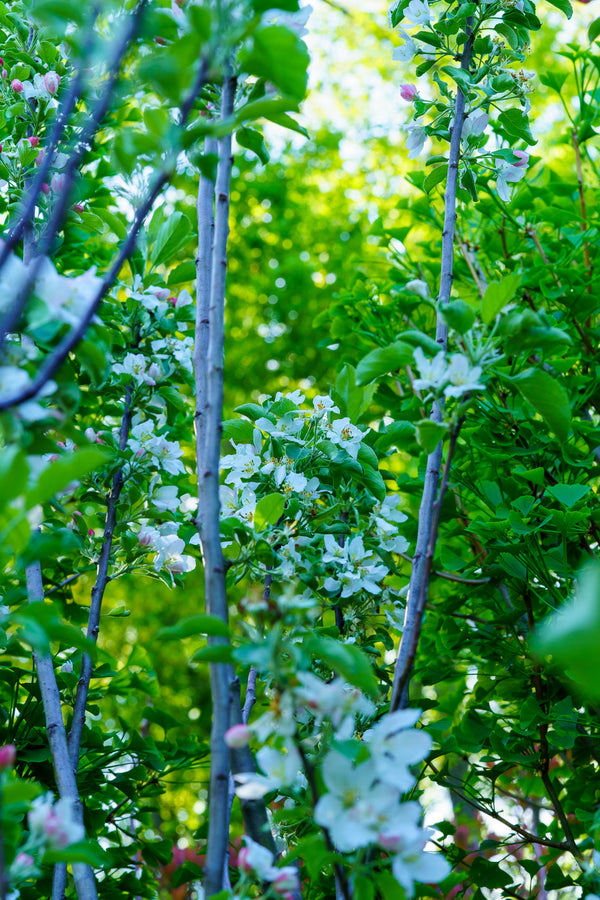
347	435
462	377
433	372
418	12
415	140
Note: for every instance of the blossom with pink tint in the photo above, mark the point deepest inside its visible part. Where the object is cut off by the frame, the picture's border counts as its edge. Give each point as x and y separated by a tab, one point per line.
94	436
45	188
34	141
39	158
17	86
522	158
58	182
51	82
4	74
408	92
238	736
54	822
8	754
286	881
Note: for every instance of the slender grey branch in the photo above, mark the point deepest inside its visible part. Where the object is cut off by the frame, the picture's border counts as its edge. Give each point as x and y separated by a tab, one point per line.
427	526
206	230
98	590
85	883
60	205
64	347
214	566
250	697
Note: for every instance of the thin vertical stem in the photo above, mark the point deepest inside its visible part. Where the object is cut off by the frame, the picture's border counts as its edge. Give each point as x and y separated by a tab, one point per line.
102	578
214	566
579	170
85	883
206	231
427	526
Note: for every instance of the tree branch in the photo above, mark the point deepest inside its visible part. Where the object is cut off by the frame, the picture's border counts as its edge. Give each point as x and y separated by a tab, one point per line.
57	738
98	590
60	205
64	347
429	512
221	675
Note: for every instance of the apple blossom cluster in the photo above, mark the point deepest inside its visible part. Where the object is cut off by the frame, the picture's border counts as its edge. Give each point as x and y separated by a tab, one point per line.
362	805
51	827
490	83
293	452
453	377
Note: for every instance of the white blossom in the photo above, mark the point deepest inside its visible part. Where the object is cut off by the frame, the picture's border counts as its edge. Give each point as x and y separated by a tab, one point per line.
462	377
432	372
346	435
54	822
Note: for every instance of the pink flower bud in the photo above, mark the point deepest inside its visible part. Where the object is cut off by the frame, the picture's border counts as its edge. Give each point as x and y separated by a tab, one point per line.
91	533
77	513
523	158
0	148
1	61
34	141
172	301
408	92
286	881
160	40
51	82
8	754
238	736
4	74
16	85
78	207
144	539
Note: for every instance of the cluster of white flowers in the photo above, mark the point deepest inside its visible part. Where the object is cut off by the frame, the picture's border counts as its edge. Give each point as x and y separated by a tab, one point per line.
253	859
168	547
356	568
166	454
453	378
53	823
363	805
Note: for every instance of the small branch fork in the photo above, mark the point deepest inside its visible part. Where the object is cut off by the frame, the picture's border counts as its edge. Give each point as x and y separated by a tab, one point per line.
430	508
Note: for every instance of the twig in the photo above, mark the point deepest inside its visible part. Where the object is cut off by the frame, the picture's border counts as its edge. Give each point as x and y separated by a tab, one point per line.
250	697
428	517
98	590
62	350
57	738
450	576
208	494
527	835
412	625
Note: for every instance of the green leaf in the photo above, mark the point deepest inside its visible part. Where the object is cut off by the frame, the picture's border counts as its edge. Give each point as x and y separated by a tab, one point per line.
171	237
352	399
254	141
458	315
569	494
201	623
252	411
572	635
548	397
346	659
555	80
61	472
88	852
430	433
516	125
58	12
268	511
509	34
460	76
383	360
239	430
278	55
399	434
593	32
434	177
14	472
497	295
215	653
488	874
284	121
564	5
